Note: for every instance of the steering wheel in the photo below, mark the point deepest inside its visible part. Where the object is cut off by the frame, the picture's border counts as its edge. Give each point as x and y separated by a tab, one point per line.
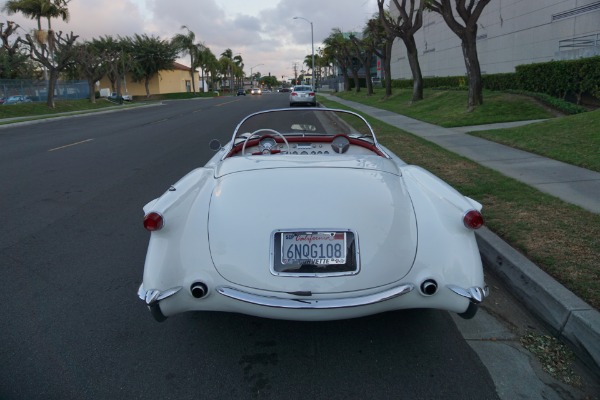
265	130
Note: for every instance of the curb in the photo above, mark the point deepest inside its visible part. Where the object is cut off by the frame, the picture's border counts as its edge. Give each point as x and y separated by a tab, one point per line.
570	317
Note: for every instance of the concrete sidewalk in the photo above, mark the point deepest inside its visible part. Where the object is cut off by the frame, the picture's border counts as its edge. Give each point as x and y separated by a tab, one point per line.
569	316
572	184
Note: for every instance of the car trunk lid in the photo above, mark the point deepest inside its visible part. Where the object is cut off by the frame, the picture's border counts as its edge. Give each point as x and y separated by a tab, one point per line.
249	209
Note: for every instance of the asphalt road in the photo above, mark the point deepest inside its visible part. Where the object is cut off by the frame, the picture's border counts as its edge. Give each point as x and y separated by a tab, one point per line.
72	250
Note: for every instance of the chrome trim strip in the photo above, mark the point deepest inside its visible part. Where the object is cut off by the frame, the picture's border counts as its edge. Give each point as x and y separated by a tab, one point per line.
153	296
315	304
475	293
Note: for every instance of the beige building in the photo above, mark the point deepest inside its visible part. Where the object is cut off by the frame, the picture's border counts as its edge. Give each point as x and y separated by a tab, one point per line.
176	81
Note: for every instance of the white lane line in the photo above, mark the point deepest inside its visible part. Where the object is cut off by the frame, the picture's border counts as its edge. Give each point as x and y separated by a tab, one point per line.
72	144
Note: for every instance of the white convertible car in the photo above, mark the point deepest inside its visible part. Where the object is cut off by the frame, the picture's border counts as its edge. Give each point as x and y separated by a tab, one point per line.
304	215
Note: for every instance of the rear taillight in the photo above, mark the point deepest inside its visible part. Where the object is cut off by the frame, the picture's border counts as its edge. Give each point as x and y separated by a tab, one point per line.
311	94
294	94
153	221
473	219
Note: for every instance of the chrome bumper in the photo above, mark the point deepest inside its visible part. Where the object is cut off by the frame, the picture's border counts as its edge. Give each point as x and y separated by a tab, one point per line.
312	304
153	296
475	293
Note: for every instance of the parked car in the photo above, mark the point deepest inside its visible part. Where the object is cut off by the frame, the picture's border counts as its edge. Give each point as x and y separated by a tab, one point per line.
18	99
304	215
114	96
255	90
303	94
241	92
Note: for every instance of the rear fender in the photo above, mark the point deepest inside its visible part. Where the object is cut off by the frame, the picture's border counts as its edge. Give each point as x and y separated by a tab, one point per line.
165	265
447	250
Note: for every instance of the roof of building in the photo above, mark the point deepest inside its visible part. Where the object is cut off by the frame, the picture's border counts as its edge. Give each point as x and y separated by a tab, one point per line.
181	67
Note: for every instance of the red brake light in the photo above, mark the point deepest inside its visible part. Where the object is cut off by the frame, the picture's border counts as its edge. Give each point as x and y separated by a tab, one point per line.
153	221
311	94
294	94
473	219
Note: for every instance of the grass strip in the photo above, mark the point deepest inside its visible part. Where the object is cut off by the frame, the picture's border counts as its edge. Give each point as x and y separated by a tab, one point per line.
573	139
562	239
448	108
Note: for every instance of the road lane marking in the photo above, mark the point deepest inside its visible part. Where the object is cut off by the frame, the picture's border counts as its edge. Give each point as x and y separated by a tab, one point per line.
222	104
72	144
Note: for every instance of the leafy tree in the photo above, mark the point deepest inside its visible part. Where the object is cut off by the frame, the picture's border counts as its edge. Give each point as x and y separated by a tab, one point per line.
117	57
92	62
465	27
53	51
337	47
186	44
56	57
14	63
408	22
150	56
364	53
269	81
381	41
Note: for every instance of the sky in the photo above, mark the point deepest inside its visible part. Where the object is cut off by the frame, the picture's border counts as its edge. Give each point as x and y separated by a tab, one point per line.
262	32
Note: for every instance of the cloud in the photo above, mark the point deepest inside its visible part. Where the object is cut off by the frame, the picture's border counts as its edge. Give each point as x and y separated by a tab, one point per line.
262	31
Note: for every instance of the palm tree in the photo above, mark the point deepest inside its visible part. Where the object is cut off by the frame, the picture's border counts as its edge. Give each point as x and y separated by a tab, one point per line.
230	65
238	69
38	9
185	43
208	63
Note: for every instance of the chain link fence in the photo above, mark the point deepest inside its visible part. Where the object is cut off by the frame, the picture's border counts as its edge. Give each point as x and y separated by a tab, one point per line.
38	90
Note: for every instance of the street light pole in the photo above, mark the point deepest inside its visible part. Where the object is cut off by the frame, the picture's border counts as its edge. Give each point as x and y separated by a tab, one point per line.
312	43
252	76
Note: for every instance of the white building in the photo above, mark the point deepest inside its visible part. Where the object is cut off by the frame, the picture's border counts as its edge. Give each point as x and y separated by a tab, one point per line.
510	33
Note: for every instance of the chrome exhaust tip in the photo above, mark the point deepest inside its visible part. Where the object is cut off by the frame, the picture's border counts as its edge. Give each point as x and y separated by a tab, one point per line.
199	290
429	287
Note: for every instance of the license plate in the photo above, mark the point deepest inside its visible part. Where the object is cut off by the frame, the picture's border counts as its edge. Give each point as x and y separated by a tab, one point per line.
318	248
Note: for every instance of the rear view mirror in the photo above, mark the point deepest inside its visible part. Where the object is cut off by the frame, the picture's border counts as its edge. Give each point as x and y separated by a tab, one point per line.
215	145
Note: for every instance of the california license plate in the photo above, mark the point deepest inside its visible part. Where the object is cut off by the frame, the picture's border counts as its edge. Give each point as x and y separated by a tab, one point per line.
318	248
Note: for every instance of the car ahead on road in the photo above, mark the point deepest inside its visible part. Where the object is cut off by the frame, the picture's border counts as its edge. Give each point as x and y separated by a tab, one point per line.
241	92
304	215
17	99
284	90
255	90
303	94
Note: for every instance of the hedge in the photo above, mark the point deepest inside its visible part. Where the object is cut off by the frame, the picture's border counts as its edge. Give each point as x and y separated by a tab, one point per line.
559	79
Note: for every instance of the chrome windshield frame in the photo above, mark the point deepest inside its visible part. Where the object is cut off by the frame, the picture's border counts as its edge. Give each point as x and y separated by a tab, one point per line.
235	137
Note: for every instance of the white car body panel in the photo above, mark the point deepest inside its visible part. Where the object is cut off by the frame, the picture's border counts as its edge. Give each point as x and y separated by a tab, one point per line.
219	223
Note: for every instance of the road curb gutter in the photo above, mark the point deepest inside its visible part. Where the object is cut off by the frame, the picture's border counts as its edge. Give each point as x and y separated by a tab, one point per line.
570	317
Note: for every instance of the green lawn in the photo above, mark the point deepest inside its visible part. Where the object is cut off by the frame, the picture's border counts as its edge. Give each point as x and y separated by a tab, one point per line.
573	139
448	108
41	110
562	239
